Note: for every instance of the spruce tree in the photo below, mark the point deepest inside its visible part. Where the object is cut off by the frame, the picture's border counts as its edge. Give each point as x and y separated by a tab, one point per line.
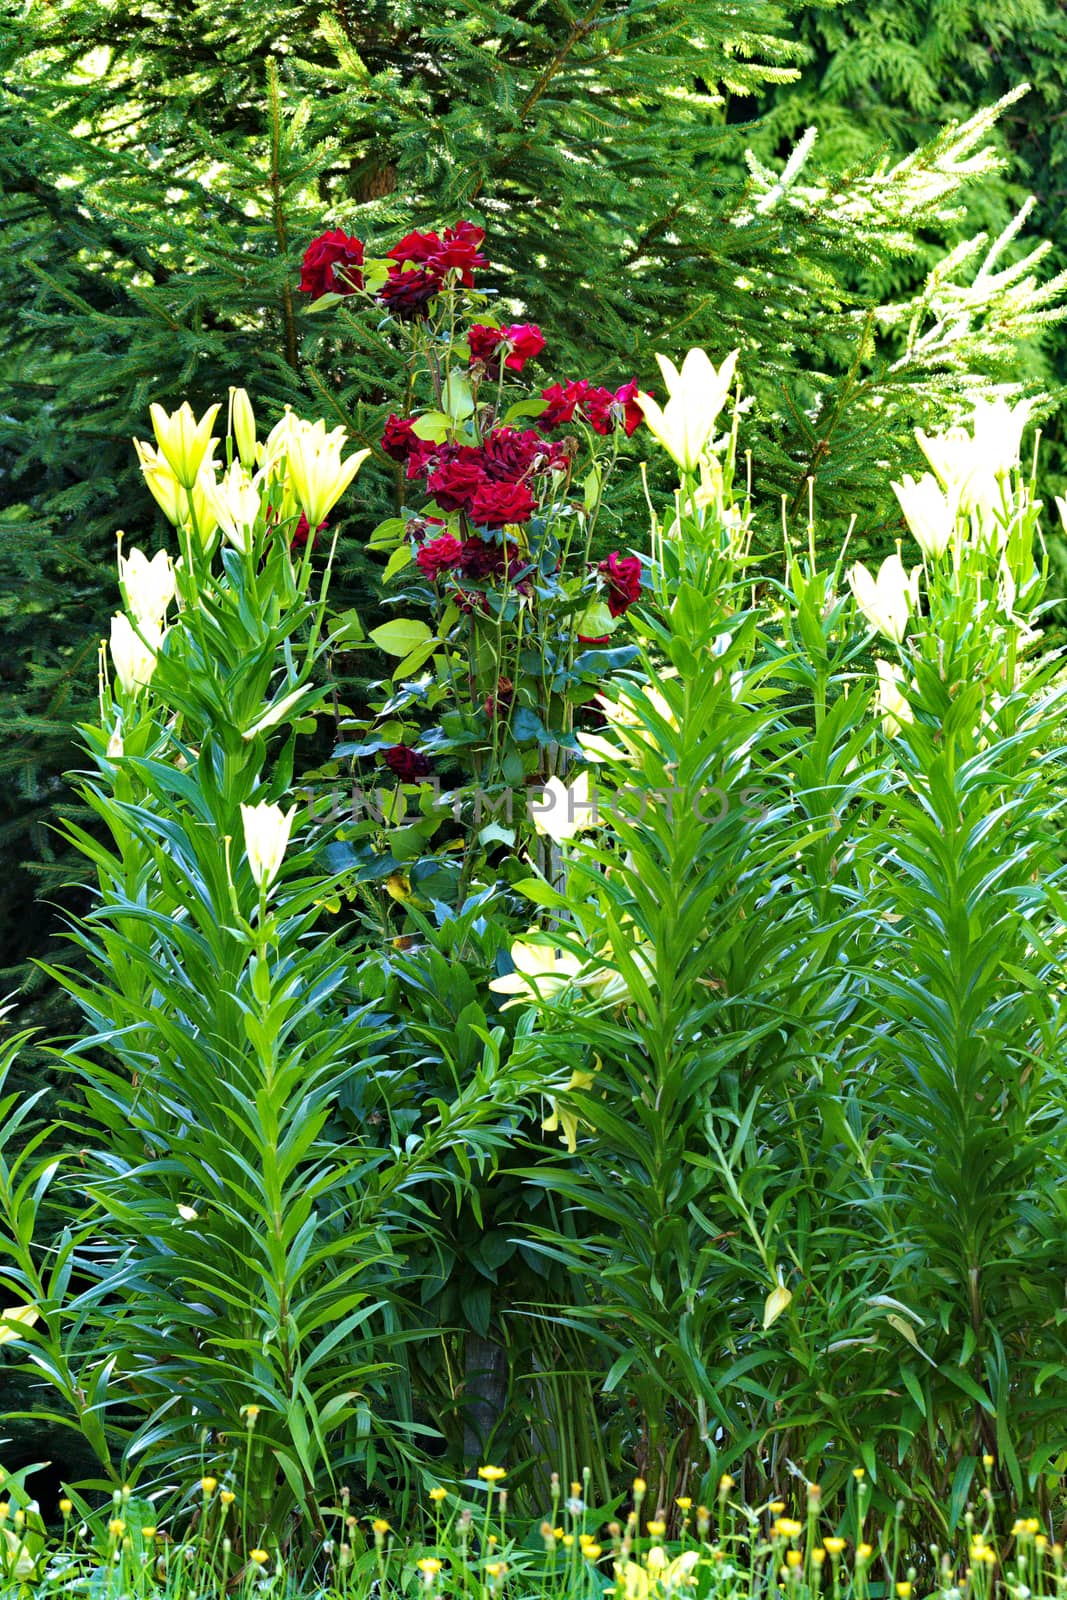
163	169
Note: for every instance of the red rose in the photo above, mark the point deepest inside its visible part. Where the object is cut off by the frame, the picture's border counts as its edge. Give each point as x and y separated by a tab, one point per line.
458	251
509	453
406	763
562	401
415	247
627	408
494	504
422	457
525	340
482	560
605	410
407	294
456	480
301	532
334	249
603	638
624	582
484	343
399	438
440	555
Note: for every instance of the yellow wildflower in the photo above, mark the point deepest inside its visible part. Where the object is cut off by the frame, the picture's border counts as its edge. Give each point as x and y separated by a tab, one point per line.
787	1528
437	1494
834	1545
260	1557
492	1474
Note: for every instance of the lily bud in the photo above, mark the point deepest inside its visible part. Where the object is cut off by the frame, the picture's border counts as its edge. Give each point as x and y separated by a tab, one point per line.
148	586
184	442
244	427
886	601
929	513
164	486
891	701
267	829
134	652
696	396
319	476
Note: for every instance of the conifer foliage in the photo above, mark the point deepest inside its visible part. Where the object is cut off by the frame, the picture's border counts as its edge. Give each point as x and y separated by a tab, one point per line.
164	167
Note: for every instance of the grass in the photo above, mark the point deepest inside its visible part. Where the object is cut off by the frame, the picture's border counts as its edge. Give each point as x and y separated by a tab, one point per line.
467	1550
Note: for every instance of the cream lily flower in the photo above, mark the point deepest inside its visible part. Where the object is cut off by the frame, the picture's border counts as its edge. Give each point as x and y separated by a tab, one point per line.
625	716
659	1576
266	828
929	512
697	394
184	442
19	1564
541	973
235	502
319	475
134	651
891	702
172	499
970	464
12	1318
563	1121
148	586
565	809
886	601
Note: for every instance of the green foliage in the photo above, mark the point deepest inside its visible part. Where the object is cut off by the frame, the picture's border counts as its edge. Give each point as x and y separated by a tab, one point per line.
163	171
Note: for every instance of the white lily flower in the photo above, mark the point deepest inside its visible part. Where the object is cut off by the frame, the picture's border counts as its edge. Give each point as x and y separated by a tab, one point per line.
891	702
564	810
12	1318
235	502
886	601
971	465
929	512
266	828
184	441
696	396
319	475
134	651
148	586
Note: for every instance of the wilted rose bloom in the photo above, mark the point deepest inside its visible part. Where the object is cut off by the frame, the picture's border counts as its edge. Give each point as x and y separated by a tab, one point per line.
399	438
482	560
563	399
484	344
623	574
405	763
440	555
423	457
497	503
509	453
458	479
500	701
334	249
408	294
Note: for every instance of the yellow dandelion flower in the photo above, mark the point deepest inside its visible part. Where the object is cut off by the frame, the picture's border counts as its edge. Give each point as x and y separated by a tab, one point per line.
116	1527
66	1507
640	1486
227	1497
438	1494
492	1474
260	1557
148	1532
903	1591
834	1545
380	1527
591	1551
818	1557
209	1485
988	1462
793	1558
683	1502
787	1528
429	1566
656	1529
859	1472
496	1569
864	1552
567	1540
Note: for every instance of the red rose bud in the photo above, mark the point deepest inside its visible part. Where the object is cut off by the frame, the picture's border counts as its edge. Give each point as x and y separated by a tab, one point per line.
405	763
525	340
494	504
399	438
415	247
562	402
623	574
603	638
323	255
408	294
440	555
458	251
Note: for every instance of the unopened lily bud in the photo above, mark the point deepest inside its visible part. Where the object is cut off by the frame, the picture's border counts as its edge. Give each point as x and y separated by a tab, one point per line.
133	653
267	830
244	427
